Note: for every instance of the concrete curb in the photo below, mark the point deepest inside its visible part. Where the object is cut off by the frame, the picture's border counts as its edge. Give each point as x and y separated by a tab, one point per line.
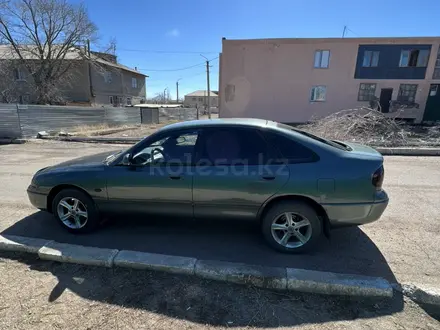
279	278
419	293
397	151
409	151
152	261
78	254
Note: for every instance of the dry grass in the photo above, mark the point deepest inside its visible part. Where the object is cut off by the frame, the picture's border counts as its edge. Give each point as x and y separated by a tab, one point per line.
368	126
48	295
99	129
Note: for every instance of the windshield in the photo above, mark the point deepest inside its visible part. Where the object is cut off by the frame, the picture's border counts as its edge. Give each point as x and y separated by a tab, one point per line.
314	137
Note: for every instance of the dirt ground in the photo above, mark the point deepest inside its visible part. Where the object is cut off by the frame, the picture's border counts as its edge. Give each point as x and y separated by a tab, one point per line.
38	294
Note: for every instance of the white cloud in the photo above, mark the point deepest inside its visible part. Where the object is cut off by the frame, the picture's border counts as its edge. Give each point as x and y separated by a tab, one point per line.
173	33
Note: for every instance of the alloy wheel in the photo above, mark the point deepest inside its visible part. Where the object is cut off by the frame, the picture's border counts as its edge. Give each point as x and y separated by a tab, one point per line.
72	212
291	230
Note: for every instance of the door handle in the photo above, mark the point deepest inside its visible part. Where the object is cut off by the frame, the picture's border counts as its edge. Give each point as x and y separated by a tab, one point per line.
175	177
268	178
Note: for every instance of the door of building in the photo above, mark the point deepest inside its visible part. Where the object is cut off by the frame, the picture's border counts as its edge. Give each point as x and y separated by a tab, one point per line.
432	108
385	98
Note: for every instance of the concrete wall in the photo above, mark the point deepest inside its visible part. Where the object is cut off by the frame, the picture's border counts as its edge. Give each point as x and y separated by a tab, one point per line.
272	79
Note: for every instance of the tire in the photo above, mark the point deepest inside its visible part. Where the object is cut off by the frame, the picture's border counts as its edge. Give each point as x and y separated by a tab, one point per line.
85	204
310	233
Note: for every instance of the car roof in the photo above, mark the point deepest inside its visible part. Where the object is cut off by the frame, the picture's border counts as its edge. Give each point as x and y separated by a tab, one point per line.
249	122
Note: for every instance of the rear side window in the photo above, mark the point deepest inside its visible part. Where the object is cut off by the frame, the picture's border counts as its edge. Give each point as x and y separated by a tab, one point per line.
233	146
290	150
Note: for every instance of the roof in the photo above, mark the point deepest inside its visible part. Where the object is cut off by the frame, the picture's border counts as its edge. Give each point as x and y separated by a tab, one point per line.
7	53
252	122
202	93
367	40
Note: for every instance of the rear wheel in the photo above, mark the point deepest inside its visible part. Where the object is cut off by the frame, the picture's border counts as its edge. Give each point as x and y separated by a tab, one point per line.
75	211
292	227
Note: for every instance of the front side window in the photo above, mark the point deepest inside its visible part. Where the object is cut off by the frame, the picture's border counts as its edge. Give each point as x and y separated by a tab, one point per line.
134	83
318	93
322	59
414	58
407	93
231	146
366	92
176	148
371	58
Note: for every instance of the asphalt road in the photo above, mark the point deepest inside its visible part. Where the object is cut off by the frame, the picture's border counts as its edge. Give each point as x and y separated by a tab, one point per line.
403	245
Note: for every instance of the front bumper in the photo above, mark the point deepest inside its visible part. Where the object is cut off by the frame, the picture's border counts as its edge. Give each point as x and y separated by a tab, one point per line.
341	215
37	199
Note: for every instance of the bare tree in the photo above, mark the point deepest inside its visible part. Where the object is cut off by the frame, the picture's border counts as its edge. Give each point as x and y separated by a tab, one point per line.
47	38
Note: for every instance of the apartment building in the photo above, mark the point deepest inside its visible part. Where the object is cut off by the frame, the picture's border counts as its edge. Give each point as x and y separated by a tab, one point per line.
293	80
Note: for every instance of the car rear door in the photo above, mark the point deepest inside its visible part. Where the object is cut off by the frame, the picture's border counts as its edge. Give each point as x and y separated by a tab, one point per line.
235	173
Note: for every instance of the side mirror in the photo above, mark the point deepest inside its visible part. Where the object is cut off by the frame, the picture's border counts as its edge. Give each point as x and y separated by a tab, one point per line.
126	161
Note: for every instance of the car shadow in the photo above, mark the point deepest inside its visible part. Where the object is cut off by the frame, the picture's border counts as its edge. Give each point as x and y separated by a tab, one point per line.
348	250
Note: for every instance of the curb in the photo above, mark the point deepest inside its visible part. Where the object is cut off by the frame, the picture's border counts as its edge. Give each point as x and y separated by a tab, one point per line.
409	151
419	293
397	151
279	278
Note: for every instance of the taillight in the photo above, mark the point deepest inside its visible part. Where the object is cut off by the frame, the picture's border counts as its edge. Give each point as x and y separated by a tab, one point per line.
377	178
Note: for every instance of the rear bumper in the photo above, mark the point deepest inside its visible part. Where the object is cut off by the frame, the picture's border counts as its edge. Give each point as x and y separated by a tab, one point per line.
36	198
341	215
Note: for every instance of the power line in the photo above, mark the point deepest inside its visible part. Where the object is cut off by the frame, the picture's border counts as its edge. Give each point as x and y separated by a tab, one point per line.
180	69
164	51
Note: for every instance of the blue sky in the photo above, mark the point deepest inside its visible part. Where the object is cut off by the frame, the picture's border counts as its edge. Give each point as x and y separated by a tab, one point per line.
182	29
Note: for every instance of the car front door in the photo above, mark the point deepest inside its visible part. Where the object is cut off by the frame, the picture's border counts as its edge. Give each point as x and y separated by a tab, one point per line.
234	173
158	179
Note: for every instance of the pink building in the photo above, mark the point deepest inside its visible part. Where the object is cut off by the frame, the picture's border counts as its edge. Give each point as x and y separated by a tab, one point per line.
293	80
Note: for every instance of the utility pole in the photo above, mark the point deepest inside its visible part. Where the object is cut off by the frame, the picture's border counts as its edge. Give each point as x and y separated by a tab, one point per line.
208	87
177	90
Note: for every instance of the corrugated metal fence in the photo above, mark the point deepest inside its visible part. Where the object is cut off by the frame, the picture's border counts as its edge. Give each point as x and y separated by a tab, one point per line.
9	121
28	120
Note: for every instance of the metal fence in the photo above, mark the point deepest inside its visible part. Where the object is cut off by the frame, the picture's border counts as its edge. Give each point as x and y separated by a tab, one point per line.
28	120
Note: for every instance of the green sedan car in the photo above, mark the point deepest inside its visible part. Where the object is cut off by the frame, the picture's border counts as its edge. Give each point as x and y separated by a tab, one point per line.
295	185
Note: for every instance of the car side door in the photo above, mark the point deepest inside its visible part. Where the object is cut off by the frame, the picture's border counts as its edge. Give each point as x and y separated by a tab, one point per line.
158	180
234	173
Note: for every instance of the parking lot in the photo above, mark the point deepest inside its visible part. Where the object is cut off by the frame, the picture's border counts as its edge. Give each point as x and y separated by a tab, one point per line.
402	246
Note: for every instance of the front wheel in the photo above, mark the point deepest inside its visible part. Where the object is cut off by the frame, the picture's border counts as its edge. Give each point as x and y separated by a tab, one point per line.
292	227
75	211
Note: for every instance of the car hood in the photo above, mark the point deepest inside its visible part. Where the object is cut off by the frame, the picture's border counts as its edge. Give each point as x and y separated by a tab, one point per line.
86	161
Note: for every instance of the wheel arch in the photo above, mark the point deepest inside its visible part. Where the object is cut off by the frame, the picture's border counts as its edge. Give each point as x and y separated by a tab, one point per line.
309	201
55	190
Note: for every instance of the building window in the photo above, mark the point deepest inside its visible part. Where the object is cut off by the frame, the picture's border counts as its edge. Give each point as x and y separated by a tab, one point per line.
318	93
407	93
108	77
414	57
200	99
134	83
366	92
128	100
120	99
194	99
322	58
110	99
436	73
371	58
18	74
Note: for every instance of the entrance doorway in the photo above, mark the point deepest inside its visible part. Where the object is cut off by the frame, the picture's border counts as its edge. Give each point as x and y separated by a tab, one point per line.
432	108
385	98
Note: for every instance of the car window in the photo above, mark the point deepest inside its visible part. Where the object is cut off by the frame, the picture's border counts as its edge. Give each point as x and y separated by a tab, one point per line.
177	148
290	150
232	146
290	129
